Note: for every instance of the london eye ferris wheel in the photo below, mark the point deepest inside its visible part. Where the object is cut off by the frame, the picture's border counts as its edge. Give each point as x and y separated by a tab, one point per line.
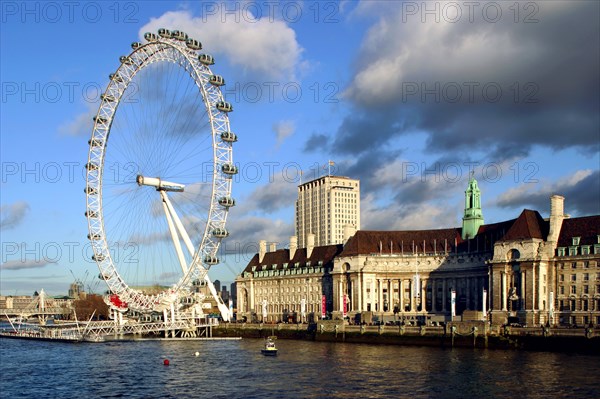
159	172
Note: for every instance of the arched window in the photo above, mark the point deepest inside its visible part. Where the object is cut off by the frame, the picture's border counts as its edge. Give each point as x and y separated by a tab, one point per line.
513	254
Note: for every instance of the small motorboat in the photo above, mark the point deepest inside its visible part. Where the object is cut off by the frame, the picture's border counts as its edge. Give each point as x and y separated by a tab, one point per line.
269	349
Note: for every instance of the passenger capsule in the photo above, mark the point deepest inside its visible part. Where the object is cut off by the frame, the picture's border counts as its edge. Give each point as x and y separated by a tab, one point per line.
229	169
93	236
179	35
206	59
216	80
151	37
136	45
164	33
91	166
100	119
90	190
224	106
115	77
98	258
107	98
91	214
193	44
126	60
226	202
229	137
220	233
95	142
211	260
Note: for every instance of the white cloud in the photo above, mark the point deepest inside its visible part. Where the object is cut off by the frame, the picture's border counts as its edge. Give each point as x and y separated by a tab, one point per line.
283	129
12	215
81	124
260	47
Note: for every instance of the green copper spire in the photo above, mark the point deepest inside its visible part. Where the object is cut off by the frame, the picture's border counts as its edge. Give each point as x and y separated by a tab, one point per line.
473	217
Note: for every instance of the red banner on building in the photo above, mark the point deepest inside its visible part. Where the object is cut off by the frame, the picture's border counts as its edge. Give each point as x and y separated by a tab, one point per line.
323	306
345	309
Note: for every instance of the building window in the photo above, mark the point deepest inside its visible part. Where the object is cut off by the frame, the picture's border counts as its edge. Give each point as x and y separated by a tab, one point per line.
573	289
572	251
561	252
586	289
562	290
562	277
597	249
573	265
576	240
586	276
585	250
573	277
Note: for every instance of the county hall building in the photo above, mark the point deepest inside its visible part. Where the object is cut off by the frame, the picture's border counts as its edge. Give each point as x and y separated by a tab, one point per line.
530	269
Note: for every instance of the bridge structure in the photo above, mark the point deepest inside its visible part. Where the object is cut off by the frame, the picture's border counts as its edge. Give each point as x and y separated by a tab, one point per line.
41	307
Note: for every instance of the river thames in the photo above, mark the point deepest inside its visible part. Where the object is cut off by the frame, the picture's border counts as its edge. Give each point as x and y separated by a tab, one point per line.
303	369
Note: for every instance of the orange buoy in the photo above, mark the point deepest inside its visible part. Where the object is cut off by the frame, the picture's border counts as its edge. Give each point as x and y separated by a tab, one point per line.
166	362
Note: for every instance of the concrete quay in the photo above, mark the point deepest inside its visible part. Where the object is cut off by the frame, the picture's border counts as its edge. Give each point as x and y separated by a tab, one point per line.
452	334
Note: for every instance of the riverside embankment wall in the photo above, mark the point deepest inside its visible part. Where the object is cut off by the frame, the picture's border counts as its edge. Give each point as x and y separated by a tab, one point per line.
461	334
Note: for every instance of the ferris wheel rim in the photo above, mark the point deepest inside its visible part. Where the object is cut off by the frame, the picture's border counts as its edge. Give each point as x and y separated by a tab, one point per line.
143	55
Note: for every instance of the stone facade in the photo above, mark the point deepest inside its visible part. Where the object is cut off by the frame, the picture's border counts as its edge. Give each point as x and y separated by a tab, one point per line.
286	284
527	270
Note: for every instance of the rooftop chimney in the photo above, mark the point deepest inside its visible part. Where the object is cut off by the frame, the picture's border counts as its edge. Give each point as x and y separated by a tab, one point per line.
293	246
557	214
262	249
348	232
273	247
310	244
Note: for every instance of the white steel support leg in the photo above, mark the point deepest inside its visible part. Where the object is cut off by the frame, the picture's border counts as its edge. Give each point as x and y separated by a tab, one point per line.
182	232
174	235
188	243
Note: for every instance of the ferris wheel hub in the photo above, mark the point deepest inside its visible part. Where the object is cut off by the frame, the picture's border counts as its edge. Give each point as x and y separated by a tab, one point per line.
161	185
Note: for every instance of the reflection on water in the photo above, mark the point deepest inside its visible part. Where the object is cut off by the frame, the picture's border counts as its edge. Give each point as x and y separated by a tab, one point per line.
236	369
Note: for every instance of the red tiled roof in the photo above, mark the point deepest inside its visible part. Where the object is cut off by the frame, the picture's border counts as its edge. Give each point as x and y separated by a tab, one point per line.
529	224
588	228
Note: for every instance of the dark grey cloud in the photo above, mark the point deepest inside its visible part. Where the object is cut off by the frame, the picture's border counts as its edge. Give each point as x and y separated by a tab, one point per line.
316	142
12	215
270	197
582	196
26	264
520	84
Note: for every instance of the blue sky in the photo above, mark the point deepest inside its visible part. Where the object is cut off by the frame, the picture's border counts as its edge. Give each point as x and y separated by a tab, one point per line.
408	97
